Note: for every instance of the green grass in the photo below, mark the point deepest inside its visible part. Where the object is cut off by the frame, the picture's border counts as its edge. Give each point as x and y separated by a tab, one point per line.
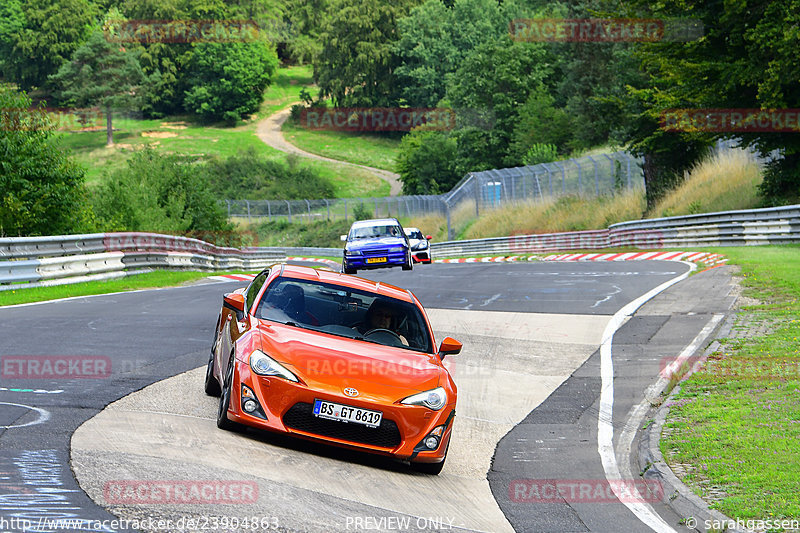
736	421
158	278
378	151
180	134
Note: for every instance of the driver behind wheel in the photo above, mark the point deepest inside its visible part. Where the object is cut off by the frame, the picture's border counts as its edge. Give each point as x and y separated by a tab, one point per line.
380	315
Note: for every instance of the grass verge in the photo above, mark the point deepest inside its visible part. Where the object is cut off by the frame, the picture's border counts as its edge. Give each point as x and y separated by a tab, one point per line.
181	134
150	280
378	151
734	427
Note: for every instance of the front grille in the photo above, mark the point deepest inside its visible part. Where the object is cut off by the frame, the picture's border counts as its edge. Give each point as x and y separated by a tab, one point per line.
301	417
376	252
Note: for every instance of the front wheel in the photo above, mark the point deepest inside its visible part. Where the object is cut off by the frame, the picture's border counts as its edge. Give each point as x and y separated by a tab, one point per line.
225	401
347	270
409	265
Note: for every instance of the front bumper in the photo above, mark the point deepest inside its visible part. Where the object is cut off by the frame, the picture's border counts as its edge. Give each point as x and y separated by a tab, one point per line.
422	256
288	409
369	261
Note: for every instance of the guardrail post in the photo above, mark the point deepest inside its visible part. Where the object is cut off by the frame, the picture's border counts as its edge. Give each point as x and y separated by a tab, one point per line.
476	184
580	175
596	178
611	167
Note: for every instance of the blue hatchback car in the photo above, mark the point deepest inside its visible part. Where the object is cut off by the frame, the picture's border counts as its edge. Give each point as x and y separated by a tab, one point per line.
376	243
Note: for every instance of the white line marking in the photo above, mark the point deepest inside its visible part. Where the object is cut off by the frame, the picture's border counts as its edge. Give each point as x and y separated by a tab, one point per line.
44	416
33	391
605	416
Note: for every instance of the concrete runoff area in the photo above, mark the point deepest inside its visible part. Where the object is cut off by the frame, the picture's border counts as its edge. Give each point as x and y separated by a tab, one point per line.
511	363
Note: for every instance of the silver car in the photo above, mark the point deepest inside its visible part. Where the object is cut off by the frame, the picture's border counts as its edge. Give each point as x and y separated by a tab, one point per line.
420	247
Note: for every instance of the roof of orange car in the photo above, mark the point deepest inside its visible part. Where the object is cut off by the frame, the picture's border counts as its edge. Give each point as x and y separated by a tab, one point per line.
345	280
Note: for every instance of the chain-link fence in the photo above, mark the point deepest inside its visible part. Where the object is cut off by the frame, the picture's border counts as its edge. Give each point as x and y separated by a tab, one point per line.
593	175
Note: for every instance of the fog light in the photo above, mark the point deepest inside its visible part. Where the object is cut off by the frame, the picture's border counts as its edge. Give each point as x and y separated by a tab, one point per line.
250	406
432	442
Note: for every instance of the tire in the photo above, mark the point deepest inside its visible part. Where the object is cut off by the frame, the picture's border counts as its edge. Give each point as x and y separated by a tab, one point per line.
433	469
225	401
211	385
348	270
410	264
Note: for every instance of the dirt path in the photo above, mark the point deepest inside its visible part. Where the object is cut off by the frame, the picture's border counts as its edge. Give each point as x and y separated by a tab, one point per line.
269	131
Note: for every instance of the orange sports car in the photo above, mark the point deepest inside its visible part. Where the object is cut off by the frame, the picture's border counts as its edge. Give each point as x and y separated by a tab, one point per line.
332	357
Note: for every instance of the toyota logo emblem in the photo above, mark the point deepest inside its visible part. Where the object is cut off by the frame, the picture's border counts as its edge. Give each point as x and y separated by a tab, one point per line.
350	391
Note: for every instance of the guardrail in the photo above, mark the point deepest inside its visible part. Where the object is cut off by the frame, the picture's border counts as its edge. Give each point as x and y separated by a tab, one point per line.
775	225
35	261
27	262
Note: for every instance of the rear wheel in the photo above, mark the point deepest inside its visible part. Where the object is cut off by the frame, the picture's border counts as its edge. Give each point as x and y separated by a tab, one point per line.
225	401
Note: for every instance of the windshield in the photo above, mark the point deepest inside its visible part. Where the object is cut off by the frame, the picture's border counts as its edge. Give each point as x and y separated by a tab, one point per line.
415	235
369	232
345	312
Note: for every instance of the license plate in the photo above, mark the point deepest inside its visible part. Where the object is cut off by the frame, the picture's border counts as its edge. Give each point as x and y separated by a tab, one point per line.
346	413
376	260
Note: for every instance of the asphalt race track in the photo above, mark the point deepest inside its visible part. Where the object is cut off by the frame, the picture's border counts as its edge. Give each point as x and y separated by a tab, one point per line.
531	407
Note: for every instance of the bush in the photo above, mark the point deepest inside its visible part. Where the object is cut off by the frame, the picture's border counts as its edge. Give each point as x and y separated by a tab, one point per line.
427	162
41	188
252	177
360	212
162	194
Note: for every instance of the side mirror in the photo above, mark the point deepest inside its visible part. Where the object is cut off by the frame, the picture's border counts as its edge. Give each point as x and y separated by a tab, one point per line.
343	237
235	302
428	237
449	346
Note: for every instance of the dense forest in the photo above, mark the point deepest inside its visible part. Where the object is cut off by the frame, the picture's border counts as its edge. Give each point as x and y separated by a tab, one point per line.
518	100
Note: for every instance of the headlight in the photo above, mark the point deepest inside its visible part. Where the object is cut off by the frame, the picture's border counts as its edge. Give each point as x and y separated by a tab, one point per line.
353	252
264	365
421	246
397	249
433	399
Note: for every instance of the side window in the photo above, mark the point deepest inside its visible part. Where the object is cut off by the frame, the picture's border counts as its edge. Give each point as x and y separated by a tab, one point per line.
252	291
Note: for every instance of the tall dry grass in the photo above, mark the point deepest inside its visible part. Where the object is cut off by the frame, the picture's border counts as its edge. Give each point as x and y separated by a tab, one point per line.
723	182
567	213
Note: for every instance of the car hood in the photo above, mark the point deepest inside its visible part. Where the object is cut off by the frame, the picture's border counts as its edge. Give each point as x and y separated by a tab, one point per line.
377	242
322	360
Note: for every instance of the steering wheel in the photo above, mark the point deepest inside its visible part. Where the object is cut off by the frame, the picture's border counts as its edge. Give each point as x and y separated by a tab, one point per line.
383	330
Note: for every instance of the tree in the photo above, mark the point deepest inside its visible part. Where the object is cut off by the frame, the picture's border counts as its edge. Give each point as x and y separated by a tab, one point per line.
427	162
540	122
41	188
52	30
101	74
435	38
228	80
355	66
497	77
746	58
